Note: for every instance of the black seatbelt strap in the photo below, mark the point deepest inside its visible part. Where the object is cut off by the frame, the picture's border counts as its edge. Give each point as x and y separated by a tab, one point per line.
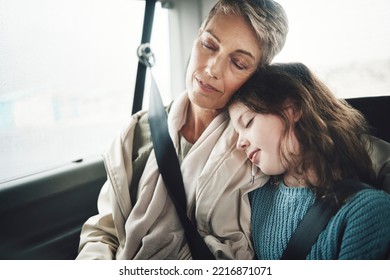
316	219
169	165
141	70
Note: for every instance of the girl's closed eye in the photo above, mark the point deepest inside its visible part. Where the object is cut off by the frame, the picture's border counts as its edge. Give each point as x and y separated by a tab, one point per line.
249	123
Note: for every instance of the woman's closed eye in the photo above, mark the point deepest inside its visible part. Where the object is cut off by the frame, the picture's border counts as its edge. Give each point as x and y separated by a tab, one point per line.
208	45
239	64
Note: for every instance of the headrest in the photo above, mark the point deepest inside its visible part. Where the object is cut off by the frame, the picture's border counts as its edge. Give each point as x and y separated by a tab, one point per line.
380	156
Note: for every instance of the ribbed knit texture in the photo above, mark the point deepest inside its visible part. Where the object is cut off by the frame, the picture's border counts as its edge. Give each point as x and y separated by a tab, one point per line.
360	230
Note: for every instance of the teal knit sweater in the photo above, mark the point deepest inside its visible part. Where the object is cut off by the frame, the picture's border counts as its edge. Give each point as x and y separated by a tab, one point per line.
360	229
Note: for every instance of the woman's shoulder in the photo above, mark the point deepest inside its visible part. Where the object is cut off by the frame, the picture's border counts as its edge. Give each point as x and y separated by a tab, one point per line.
135	138
137	121
138	126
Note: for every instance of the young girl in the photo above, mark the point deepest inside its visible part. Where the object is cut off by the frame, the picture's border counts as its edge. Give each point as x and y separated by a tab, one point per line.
295	130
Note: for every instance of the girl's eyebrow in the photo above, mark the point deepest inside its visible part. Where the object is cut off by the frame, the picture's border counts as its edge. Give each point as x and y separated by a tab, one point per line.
244	52
240	120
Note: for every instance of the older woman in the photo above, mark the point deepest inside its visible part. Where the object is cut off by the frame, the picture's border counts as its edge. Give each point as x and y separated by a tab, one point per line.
235	39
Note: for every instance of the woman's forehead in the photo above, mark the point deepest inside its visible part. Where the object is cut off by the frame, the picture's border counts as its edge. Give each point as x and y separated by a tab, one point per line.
234	33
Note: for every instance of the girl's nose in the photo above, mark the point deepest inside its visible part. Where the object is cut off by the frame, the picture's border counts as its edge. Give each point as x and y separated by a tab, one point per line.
242	143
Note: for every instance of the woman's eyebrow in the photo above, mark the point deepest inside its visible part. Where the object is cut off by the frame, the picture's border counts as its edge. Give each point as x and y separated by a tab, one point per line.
213	35
244	52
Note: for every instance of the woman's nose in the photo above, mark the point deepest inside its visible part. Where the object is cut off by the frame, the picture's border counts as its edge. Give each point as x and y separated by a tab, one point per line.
214	66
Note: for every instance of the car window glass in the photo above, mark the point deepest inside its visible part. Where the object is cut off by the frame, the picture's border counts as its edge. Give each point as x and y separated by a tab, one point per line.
346	42
67	77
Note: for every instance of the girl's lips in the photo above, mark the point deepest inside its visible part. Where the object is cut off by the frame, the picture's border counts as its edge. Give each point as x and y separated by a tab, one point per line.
252	155
206	87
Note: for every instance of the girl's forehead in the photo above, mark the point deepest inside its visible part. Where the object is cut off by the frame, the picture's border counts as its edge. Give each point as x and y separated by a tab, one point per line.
238	109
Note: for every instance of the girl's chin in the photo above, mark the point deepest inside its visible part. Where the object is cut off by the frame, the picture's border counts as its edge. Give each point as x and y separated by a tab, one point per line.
270	172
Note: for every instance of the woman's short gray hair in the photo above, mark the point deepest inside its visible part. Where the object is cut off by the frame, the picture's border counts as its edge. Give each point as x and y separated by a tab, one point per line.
267	18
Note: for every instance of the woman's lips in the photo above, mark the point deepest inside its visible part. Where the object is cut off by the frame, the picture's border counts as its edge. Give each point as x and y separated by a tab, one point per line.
206	87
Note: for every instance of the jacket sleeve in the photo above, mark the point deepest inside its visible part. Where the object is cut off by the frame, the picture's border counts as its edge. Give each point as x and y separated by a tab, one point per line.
98	238
103	235
223	209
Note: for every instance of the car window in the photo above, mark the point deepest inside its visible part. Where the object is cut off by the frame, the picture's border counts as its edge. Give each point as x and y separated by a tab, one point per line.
346	42
67	77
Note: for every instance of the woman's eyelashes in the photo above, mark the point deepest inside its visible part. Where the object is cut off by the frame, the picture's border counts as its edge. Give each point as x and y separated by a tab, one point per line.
208	45
237	62
239	65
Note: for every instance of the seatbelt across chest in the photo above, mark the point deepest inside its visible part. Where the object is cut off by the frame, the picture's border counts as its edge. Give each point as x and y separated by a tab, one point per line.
168	163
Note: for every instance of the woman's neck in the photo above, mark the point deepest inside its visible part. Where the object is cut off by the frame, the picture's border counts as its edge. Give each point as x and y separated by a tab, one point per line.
198	119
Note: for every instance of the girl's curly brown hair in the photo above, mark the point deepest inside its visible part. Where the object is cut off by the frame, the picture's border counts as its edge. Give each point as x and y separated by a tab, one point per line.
333	136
